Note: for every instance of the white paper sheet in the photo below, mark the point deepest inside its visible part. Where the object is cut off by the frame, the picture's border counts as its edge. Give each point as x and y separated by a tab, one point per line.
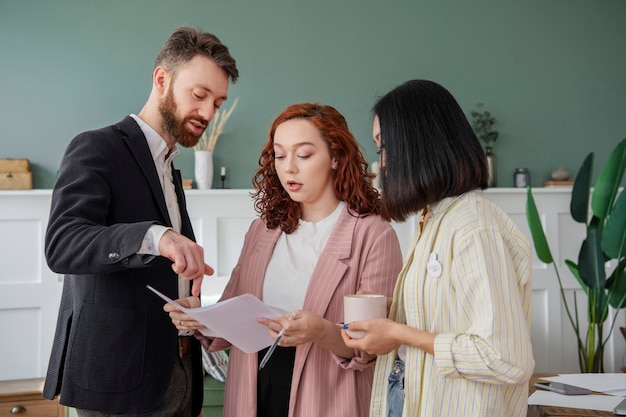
588	402
608	383
233	319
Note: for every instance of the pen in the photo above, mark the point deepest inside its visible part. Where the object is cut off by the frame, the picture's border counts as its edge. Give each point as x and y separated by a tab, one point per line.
273	347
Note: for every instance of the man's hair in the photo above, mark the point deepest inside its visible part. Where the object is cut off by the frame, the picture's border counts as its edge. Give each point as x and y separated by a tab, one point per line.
429	149
187	42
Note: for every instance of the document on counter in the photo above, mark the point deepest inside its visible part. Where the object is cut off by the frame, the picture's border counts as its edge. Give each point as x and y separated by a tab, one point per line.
608	383
233	319
588	402
612	384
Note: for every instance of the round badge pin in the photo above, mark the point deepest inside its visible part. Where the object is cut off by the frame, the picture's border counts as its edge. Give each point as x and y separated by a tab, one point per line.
433	266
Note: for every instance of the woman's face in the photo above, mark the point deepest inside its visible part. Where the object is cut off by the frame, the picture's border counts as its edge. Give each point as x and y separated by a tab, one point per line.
305	167
378	140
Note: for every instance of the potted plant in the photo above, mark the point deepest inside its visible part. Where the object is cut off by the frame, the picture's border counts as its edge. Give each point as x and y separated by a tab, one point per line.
482	125
605	241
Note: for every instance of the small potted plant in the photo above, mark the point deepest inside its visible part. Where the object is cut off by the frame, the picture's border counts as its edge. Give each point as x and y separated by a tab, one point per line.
482	125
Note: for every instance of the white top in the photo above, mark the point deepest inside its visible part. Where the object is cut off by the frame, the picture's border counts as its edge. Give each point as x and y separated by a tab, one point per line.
162	161
293	261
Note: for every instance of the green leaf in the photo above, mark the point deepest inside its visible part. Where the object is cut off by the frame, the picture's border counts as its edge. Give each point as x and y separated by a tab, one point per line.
591	261
603	308
536	230
608	181
617	291
579	204
597	306
573	268
614	234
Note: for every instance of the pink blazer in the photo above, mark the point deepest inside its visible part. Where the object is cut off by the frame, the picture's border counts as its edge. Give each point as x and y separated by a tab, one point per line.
362	253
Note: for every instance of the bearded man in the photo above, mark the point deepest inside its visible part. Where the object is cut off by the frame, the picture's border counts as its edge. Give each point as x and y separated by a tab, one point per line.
118	221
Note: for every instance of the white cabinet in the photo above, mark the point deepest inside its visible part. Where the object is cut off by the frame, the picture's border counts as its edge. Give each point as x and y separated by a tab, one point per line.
30	292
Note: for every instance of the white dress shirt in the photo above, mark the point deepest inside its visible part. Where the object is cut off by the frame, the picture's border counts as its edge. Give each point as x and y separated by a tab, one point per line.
162	157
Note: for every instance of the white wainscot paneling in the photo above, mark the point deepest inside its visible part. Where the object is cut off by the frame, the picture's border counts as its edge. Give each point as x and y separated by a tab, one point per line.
220	219
30	292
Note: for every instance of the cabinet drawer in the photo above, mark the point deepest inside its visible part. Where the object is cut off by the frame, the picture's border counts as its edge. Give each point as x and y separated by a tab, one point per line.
29	408
22	398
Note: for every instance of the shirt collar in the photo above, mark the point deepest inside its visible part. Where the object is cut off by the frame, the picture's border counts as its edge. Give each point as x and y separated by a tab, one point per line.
442	205
156	143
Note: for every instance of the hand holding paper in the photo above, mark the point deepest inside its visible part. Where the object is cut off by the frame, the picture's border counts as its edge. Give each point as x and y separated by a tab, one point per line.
182	320
234	319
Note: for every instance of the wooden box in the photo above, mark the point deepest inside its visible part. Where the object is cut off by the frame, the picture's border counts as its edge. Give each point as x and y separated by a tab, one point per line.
15	174
14	165
16	180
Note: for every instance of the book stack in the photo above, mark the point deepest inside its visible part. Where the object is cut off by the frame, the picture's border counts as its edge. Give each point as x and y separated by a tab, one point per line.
555	183
15	174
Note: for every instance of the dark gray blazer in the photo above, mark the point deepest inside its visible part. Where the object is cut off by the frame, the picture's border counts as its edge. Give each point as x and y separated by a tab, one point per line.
114	345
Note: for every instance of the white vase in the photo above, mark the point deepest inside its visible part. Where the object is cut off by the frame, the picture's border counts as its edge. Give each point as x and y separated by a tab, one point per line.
203	169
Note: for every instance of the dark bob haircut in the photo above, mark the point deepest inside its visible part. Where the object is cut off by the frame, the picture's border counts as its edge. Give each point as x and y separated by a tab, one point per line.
429	150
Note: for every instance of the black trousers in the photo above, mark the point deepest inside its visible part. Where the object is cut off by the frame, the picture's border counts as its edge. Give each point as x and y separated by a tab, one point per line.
274	383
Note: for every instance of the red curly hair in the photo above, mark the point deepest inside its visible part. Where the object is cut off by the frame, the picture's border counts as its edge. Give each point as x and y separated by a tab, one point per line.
351	179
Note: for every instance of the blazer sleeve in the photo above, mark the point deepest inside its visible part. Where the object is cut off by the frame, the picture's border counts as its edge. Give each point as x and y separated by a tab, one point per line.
100	210
379	263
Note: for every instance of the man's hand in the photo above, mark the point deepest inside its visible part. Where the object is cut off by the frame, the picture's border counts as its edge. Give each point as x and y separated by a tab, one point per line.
181	320
188	258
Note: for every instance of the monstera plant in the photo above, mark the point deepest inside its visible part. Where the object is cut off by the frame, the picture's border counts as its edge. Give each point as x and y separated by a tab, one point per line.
605	241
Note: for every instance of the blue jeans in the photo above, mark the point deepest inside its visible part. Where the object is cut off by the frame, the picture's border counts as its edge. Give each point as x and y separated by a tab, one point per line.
395	392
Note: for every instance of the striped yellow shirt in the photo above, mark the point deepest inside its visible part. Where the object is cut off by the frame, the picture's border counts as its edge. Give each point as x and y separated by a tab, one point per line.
479	307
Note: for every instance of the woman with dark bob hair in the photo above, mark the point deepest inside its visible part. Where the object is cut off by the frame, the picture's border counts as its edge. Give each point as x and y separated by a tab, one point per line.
457	341
319	237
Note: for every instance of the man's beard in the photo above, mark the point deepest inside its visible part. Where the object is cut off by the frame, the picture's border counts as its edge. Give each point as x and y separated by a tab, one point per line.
175	127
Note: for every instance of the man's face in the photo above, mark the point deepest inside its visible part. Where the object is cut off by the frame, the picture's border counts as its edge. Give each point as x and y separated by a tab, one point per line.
193	95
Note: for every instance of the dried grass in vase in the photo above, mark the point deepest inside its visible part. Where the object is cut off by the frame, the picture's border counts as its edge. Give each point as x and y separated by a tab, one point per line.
214	129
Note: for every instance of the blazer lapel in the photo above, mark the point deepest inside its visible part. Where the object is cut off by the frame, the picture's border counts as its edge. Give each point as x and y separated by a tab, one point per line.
328	273
261	255
138	146
331	266
186	227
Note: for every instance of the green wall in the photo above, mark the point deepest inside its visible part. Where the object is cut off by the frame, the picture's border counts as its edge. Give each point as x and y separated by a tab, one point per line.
553	72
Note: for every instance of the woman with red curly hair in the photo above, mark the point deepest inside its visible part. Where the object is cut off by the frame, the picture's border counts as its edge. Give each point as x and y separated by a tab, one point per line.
319	237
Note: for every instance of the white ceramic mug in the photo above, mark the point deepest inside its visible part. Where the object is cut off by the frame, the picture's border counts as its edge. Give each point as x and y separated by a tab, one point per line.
357	307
